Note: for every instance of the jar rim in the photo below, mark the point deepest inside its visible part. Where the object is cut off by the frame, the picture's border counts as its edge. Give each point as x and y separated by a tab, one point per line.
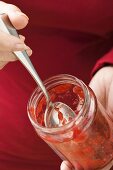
80	115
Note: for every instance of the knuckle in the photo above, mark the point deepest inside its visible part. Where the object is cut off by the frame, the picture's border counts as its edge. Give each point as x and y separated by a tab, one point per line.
7	57
12	57
12	7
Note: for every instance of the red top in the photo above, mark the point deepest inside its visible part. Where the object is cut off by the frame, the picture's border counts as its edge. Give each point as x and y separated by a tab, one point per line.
66	36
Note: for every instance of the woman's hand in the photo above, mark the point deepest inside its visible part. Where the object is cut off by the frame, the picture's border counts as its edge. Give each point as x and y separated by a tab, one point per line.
9	43
102	85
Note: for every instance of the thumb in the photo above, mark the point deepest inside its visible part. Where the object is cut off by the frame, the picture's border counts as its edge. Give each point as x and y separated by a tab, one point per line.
16	16
65	165
68	166
97	84
9	43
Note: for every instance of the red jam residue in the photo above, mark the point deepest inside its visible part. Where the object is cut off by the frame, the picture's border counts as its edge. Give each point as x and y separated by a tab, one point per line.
92	148
69	94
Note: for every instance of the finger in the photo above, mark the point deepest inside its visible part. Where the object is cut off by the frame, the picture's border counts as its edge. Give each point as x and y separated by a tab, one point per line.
5	57
18	18
9	56
109	166
66	166
29	51
98	87
11	43
22	37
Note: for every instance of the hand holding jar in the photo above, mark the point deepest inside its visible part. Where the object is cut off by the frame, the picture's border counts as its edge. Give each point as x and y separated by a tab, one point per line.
102	85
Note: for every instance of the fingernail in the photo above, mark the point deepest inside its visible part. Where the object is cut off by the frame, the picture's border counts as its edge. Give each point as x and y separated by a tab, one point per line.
22	14
29	52
22	37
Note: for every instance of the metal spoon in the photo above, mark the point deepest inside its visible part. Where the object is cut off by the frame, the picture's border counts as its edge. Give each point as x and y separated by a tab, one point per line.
52	121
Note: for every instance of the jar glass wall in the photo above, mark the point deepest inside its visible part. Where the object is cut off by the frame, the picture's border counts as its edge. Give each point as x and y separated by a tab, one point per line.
88	137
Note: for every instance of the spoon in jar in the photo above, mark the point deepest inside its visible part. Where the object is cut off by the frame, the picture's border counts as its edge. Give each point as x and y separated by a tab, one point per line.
52	108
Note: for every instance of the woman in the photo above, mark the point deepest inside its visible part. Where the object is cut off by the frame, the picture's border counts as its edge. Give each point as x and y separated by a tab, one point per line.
70	35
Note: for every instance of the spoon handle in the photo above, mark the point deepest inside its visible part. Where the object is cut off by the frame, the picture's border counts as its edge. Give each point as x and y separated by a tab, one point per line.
6	26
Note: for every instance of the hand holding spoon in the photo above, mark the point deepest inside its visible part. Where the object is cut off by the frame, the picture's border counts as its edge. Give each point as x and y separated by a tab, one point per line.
6	26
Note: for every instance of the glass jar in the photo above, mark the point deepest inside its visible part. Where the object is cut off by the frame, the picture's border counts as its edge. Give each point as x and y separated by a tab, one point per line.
88	137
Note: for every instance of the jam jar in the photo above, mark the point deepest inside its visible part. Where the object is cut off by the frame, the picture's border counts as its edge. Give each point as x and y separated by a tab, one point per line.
87	138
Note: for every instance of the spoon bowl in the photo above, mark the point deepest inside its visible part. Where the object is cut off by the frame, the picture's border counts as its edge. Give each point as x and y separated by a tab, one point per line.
58	114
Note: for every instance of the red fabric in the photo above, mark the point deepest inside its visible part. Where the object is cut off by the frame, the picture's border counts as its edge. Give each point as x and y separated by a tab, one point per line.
66	36
106	60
